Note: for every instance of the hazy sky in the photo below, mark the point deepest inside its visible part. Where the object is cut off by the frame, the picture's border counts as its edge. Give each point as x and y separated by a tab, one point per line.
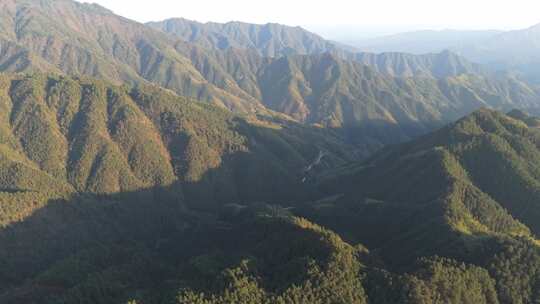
338	18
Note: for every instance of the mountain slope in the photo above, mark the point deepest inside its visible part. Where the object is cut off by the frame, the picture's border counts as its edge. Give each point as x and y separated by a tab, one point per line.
437	65
475	177
114	194
337	93
325	89
269	40
92	137
82	39
275	40
467	192
87	165
376	107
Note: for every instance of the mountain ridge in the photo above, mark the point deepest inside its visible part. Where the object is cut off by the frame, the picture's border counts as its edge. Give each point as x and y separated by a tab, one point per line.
90	41
270	39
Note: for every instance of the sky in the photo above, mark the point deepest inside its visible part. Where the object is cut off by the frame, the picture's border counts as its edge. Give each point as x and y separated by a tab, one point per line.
337	19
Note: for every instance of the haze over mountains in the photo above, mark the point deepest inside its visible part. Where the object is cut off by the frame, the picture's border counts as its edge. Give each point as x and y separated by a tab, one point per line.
182	162
423	42
515	50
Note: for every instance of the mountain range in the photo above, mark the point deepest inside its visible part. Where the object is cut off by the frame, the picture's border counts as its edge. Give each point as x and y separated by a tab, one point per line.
84	39
269	40
190	163
416	222
515	50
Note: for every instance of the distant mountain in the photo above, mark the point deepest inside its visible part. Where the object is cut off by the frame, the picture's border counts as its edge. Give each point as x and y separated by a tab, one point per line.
513	47
83	39
382	98
275	40
374	104
437	65
339	93
334	90
269	40
423	42
514	50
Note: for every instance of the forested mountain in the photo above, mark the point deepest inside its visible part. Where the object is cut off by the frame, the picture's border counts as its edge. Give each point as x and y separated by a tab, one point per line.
65	136
421	222
468	191
269	40
326	89
91	166
275	40
367	91
468	173
318	88
405	94
180	162
87	39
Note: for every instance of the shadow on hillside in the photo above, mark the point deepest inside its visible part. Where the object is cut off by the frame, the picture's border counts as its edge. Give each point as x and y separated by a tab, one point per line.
160	221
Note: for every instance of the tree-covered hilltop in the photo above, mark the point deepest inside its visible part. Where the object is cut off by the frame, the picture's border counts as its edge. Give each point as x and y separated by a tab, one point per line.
129	249
266	255
468	192
486	157
478	176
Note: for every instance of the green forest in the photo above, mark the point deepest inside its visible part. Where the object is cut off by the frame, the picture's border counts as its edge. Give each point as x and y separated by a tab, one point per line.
179	162
134	195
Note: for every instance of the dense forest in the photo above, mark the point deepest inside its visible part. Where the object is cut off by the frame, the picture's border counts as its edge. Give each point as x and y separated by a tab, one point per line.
178	162
135	195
